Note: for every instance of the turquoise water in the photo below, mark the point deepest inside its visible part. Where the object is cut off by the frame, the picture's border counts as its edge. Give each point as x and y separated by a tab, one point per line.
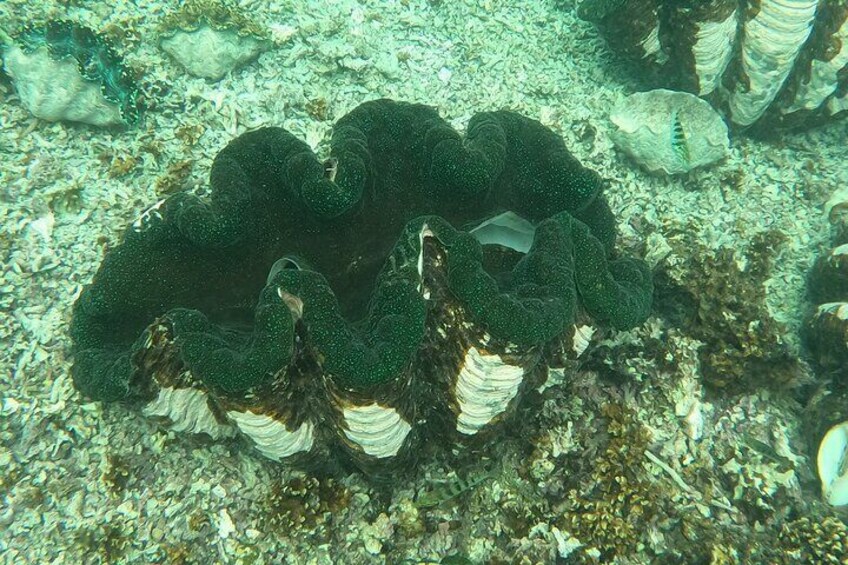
258	313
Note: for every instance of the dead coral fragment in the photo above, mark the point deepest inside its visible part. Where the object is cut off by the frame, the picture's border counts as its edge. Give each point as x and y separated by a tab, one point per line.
727	311
815	541
612	515
210	38
307	504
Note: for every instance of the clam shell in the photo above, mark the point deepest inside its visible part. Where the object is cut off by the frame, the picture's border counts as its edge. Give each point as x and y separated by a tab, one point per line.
378	431
187	410
669	131
828	335
712	50
823	75
54	90
485	386
271	435
831	463
771	42
699	39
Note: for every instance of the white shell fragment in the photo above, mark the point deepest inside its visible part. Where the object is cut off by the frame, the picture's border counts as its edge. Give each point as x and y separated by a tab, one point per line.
772	41
187	410
669	131
271	437
379	430
56	91
484	388
212	53
832	463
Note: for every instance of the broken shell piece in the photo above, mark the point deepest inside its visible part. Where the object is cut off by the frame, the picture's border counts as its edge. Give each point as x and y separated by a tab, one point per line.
832	464
210	38
669	131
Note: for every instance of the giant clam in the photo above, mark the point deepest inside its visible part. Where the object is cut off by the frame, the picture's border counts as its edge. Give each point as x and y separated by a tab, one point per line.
428	282
765	63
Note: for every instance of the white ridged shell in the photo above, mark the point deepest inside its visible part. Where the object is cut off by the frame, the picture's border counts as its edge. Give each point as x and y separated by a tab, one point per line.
712	51
582	338
378	430
652	46
832	468
271	437
823	76
770	45
187	411
54	90
484	388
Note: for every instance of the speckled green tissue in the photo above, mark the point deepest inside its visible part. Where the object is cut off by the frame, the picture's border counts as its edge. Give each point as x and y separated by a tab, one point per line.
395	171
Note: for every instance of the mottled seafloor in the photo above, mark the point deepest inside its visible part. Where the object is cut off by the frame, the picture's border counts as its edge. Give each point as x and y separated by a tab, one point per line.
718	472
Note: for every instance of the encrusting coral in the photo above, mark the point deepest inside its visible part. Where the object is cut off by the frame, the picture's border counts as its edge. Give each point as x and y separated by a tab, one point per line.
380	322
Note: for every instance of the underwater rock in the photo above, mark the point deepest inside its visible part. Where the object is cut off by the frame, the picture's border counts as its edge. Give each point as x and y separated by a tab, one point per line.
64	71
767	63
210	38
669	131
384	326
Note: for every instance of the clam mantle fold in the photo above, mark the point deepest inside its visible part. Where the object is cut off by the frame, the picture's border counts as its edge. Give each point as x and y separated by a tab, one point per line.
414	284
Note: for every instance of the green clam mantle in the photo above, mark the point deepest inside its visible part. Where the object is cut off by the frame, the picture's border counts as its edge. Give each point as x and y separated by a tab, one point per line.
387	320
